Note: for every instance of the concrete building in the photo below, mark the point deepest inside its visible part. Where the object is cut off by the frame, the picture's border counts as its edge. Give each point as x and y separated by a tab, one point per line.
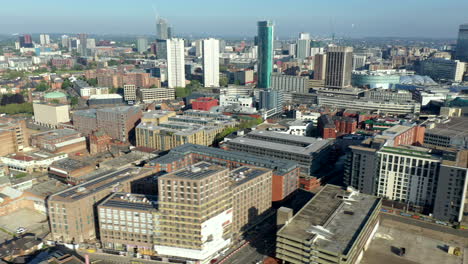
13	135
376	79
452	133
210	49
359	61
335	226
285	173
175	63
33	161
130	93
106	100
271	101
72	212
51	115
129	222
142	45
242	77
163	29
148	95
462	43
320	66
289	83
388	95
203	226
382	107
339	67
60	141
44	39
443	69
309	153
117	122
302	48
265	53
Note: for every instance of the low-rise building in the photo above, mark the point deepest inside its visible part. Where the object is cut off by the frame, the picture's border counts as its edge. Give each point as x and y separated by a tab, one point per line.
71	171
13	135
335	226
148	95
34	161
59	141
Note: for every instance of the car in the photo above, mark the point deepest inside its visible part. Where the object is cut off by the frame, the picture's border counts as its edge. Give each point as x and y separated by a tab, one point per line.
20	230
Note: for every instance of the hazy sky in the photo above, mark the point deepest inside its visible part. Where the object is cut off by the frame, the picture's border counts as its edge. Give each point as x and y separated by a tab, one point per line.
349	18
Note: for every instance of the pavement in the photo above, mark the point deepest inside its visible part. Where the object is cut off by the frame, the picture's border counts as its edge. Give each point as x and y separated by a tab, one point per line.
422	249
33	221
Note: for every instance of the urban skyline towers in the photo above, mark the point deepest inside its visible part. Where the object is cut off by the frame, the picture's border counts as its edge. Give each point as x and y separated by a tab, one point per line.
210	52
339	67
265	53
163	30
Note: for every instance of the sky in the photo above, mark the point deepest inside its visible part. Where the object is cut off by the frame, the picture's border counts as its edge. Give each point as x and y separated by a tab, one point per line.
345	18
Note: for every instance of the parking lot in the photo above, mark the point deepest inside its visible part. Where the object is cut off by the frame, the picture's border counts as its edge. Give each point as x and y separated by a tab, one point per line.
388	240
30	219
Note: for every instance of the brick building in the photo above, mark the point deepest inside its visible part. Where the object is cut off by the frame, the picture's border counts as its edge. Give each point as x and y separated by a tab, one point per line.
59	140
13	135
204	103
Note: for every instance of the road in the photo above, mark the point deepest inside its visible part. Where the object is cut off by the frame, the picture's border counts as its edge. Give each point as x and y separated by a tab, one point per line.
422	224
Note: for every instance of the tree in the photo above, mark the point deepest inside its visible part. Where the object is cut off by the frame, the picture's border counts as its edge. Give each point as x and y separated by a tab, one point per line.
42	86
112	63
78	67
93	81
12	99
66	83
182	92
12	109
74	101
223	82
223	68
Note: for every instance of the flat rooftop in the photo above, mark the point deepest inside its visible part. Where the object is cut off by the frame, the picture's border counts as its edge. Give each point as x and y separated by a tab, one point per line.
332	219
244	174
456	127
157	114
414	151
70	164
317	146
102	181
291	139
33	155
197	171
57	134
131	201
127	159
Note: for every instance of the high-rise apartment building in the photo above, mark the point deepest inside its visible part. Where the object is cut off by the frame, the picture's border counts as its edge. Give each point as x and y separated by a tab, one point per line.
83	47
271	101
163	30
142	45
320	63
196	212
443	69
130	92
462	43
25	41
175	62
65	41
339	67
265	53
303	46
44	39
210	53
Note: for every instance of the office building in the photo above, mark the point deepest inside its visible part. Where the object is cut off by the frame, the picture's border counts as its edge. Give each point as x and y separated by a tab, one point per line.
443	69
83	44
196	127
105	100
44	39
210	49
32	161
130	93
148	95
320	63
25	41
335	226
163	30
462	43
202	227
129	222
339	67
309	153
72	212
390	95
359	61
450	134
303	46
265	53
13	135
59	141
271	101
51	115
289	83
117	122
382	107
161	49
65	39
242	77
142	45
285	173
175	62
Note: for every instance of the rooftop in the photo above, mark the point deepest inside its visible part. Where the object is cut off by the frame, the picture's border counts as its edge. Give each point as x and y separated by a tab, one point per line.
454	127
332	219
127	159
245	174
57	134
105	180
414	151
131	201
70	164
197	171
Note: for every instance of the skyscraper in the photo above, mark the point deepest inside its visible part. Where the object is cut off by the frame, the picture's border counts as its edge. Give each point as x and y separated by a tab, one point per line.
462	43
210	52
175	62
44	39
163	29
303	46
83	49
142	45
265	53
65	40
339	67
25	41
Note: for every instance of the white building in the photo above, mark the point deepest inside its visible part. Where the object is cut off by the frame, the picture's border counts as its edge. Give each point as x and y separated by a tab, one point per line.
51	115
38	161
175	62
130	92
210	53
149	95
44	39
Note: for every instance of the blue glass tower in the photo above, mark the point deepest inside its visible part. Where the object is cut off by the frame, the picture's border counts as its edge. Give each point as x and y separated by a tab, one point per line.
265	53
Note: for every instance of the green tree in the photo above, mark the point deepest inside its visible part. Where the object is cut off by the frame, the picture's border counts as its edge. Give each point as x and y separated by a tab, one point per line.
13	109
74	101
182	92
93	81
66	83
78	67
112	63
223	68
42	86
223	82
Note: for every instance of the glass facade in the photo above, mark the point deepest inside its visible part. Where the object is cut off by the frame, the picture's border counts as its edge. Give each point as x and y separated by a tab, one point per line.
462	43
265	53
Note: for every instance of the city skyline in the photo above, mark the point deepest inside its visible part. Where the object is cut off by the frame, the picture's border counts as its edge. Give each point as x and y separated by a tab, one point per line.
210	18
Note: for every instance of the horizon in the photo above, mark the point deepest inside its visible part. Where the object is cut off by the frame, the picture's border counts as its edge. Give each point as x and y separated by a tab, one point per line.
211	18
